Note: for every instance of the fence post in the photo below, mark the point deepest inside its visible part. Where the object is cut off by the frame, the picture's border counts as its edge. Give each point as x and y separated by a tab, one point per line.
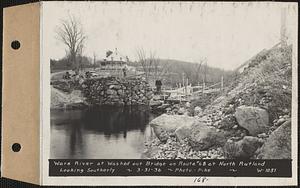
222	84
182	79
186	86
203	86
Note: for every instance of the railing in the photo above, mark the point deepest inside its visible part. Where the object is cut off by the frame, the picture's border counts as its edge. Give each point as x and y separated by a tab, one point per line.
186	92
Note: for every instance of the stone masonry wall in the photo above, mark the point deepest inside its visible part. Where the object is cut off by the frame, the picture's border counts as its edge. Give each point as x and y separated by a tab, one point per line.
117	91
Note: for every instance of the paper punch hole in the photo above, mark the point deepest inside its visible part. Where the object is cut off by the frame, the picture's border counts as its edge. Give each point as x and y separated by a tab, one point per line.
15	44
16	147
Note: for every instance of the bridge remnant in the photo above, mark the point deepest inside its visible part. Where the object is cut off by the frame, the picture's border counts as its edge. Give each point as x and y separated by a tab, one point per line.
117	91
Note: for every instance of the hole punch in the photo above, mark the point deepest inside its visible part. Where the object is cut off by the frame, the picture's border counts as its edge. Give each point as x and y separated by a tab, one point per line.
15	44
16	147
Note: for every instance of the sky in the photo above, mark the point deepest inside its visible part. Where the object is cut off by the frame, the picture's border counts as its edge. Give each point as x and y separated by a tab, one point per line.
226	34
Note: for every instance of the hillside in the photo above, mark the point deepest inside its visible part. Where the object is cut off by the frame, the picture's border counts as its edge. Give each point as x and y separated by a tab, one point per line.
250	120
174	70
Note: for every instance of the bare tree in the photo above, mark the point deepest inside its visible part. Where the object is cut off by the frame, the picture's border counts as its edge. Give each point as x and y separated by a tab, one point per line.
79	58
151	65
193	73
70	32
142	59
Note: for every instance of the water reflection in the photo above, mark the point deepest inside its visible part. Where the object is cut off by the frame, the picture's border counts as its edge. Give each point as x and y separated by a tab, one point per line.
103	132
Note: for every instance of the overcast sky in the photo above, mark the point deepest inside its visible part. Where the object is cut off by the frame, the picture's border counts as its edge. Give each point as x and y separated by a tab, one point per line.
227	34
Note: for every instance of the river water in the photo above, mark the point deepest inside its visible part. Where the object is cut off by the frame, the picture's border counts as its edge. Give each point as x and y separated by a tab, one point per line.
100	133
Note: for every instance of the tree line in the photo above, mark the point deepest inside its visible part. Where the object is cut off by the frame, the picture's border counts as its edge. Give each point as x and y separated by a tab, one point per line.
70	32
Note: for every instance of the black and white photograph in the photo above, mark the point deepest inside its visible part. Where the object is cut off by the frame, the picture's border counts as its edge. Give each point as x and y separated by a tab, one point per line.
150	93
170	80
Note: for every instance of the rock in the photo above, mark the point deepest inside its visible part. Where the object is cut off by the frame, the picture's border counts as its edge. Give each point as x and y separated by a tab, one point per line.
180	156
156	97
183	132
120	92
262	135
278	145
197	111
216	123
187	104
155	103
205	119
63	85
165	125
254	119
181	111
203	137
244	148
280	121
165	106
235	126
168	109
111	92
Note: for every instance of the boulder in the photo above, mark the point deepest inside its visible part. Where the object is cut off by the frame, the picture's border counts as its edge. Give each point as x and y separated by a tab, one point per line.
181	111
244	148
278	145
165	125
203	137
120	92
111	92
155	103
280	121
254	119
164	106
187	104
197	111
63	85
183	132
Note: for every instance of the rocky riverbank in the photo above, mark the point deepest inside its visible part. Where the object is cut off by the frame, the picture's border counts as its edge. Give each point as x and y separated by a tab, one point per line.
65	100
250	120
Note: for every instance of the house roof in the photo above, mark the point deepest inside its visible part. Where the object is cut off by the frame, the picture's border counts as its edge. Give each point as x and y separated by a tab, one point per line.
116	56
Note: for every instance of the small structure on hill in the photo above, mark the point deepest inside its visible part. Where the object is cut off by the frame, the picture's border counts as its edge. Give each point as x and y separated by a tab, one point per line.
114	60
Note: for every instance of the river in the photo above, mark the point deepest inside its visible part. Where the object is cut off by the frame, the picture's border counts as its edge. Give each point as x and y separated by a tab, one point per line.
100	133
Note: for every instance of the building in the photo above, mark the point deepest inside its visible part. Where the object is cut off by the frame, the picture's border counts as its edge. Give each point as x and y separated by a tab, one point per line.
114	60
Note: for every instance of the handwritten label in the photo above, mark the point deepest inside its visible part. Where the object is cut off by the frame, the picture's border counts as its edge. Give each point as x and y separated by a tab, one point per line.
161	167
200	180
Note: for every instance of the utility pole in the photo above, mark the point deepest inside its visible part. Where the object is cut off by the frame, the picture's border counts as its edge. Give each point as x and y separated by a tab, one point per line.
182	79
204	77
94	61
186	86
205	69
